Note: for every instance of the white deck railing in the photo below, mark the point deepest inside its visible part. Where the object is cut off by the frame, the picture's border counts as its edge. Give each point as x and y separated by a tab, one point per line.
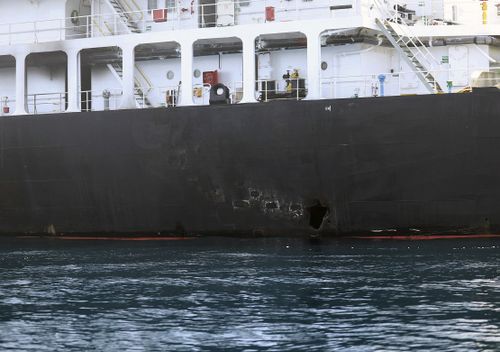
395	83
430	13
338	87
45	103
108	24
107	99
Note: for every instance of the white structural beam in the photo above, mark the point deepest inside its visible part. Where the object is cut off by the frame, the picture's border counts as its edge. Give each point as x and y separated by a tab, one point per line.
313	64
186	37
128	66
73	57
21	83
186	93
248	69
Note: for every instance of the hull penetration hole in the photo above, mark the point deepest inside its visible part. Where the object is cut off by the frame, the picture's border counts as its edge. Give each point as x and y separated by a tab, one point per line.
317	215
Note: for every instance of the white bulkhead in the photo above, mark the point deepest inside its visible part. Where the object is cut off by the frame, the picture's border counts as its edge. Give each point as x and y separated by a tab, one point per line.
91	55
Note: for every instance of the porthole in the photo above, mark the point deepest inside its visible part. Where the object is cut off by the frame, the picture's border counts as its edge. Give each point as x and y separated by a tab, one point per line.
170	75
196	73
324	65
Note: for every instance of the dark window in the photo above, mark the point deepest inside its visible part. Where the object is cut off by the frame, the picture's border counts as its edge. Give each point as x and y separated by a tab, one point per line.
152	4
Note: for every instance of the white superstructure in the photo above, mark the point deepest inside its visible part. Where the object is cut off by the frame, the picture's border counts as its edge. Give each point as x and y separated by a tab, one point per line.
76	55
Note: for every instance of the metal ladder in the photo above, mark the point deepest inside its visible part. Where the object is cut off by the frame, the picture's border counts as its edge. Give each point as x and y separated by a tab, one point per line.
141	98
410	47
125	17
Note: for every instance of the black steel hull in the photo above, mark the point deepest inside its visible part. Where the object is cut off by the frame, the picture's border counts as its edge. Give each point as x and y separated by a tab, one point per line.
417	164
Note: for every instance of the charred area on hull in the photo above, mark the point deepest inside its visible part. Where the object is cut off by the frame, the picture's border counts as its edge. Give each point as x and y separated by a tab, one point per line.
317	215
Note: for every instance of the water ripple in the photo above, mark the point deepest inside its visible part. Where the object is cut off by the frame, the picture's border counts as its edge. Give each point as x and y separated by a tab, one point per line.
249	295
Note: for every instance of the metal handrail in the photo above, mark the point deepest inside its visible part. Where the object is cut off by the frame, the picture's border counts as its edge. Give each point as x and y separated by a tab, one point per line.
287	92
89	97
56	99
414	40
96	24
365	82
143	75
60	24
134	11
361	85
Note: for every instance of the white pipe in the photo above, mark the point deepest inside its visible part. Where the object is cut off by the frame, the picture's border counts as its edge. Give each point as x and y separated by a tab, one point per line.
380	41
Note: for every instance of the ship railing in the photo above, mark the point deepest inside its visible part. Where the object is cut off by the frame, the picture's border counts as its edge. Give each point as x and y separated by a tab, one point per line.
46	103
201	92
223	13
101	100
287	89
433	12
266	90
7	103
231	12
168	96
163	96
236	92
396	83
32	32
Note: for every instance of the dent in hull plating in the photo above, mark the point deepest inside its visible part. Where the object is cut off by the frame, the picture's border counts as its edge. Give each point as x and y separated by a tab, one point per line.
425	163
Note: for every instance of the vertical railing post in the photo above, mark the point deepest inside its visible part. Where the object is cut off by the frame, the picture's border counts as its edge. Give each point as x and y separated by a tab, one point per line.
297	88
87	28
203	24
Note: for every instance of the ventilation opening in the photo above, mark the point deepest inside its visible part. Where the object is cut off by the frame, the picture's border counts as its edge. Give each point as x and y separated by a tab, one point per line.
317	214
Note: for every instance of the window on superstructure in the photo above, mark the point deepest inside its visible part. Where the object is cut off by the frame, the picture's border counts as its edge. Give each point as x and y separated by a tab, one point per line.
244	2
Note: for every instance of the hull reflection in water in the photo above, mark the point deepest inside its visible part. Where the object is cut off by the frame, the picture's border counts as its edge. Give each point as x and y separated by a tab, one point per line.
255	294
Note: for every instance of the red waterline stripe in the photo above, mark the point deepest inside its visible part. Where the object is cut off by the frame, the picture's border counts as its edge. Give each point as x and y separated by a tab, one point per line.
84	238
424	237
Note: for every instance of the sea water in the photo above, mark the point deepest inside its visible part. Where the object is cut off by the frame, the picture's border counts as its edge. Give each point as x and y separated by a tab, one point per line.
211	294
